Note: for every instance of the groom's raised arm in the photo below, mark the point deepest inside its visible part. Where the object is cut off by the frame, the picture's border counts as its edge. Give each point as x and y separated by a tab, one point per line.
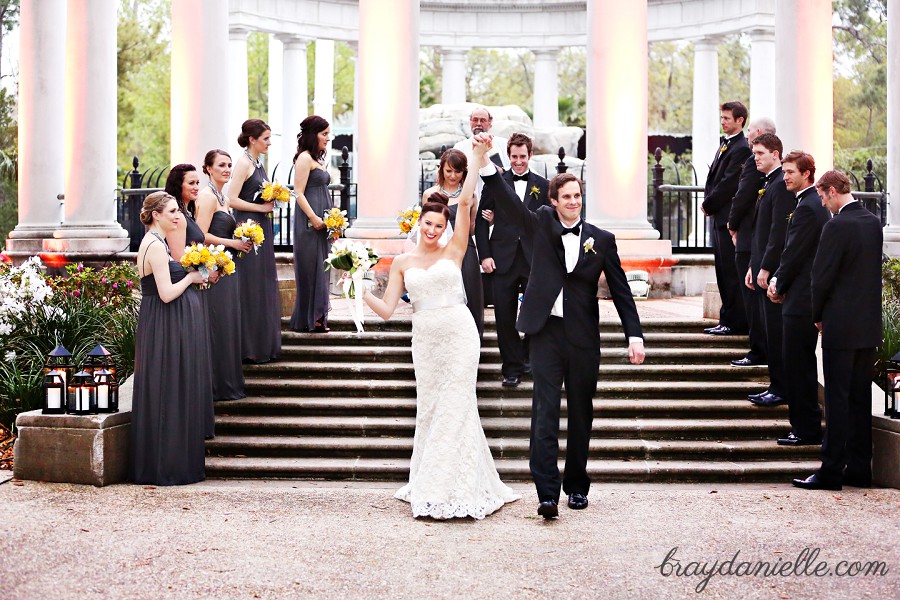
507	204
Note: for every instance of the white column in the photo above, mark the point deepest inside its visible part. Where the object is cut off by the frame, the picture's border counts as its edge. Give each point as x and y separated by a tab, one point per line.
892	232
89	212
354	173
42	85
546	88
762	70
453	80
388	95
296	95
803	47
238	94
617	117
280	137
323	104
705	121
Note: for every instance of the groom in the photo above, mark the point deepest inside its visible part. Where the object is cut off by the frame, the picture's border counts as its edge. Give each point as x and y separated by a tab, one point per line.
561	314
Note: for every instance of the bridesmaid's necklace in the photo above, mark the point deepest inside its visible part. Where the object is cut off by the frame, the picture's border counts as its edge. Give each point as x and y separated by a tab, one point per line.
257	162
219	197
454	194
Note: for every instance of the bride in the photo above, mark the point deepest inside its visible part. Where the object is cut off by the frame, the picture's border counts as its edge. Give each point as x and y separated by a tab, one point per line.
452	473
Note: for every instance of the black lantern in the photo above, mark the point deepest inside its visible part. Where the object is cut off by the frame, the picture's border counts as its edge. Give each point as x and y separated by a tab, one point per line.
99	358
82	394
54	393
892	387
60	359
107	391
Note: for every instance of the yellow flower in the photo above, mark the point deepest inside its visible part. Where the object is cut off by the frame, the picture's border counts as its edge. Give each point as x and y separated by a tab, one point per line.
534	190
228	269
194	258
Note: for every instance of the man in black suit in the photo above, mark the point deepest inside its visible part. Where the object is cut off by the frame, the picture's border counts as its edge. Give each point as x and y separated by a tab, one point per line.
740	226
561	314
770	219
506	254
791	287
846	306
721	185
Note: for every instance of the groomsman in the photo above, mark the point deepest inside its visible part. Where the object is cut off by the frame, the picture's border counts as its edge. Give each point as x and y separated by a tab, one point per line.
846	306
740	226
505	253
721	185
792	287
770	221
561	314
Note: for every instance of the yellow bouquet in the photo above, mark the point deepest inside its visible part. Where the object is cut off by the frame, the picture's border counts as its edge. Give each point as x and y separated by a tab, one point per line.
335	222
250	231
275	192
408	218
207	259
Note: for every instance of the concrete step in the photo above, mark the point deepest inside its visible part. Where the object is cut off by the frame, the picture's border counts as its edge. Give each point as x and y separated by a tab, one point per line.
397	469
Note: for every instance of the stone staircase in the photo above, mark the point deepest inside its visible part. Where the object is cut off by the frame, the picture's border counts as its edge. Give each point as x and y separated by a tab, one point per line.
342	406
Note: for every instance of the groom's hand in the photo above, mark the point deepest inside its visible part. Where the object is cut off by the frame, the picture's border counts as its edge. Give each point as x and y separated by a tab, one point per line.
636	352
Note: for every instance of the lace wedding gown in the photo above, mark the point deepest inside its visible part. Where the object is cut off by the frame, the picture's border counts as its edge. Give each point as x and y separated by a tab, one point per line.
452	472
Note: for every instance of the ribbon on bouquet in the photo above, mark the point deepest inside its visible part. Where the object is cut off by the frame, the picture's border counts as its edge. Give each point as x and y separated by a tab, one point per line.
354	284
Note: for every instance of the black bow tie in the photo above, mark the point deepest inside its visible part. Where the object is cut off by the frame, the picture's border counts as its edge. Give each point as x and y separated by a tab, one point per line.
520	177
722	139
576	229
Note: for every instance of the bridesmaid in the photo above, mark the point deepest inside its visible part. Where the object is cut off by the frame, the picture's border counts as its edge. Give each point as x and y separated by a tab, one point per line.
311	241
261	319
223	299
167	422
452	173
183	184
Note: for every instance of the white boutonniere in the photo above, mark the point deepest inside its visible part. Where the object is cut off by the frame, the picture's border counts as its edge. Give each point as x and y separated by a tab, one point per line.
589	245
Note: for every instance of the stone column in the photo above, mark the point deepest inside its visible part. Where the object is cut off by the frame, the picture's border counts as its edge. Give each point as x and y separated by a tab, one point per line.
453	80
762	70
42	85
280	137
323	104
546	88
89	211
296	95
617	118
892	232
354	173
705	122
803	79
238	94
388	103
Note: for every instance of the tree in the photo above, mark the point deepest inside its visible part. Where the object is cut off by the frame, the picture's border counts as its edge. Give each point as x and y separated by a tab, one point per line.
258	75
9	18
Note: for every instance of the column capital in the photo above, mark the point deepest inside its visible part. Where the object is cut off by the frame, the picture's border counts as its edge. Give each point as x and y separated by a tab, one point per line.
454	53
762	34
292	40
238	34
708	42
546	53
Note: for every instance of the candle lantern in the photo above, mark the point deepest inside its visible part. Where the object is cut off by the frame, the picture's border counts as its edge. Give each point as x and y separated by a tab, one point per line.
892	387
99	358
54	393
60	360
82	394
107	391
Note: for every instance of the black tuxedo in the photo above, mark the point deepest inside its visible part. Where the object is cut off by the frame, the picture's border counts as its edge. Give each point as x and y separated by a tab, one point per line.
511	251
563	350
770	221
721	186
846	299
740	219
793	281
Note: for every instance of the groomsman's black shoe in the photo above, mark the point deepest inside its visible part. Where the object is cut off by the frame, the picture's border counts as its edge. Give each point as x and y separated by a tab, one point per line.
769	400
862	481
548	509
526	369
711	329
746	362
814	482
794	440
578	501
510	381
753	397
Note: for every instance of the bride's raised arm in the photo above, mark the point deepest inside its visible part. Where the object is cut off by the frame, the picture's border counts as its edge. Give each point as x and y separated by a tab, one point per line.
465	214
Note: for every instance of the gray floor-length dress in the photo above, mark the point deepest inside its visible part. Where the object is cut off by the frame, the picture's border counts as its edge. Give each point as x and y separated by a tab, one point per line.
311	246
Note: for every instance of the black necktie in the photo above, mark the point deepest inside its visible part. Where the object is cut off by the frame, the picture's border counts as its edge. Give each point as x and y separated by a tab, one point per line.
520	177
576	229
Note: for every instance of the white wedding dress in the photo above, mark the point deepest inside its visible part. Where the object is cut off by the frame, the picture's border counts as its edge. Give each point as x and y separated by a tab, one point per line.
452	472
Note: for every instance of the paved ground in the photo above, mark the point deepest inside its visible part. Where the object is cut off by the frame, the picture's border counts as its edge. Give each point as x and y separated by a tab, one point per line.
236	539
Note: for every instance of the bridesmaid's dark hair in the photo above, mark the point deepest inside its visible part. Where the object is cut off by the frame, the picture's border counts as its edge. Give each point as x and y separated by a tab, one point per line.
308	138
435	207
173	186
252	128
210	158
155	202
457	160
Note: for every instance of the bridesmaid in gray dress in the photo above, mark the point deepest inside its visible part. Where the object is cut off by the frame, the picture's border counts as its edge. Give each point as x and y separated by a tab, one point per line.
223	299
311	241
261	314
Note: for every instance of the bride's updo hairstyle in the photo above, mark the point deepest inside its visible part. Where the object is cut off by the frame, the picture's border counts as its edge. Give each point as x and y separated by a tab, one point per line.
252	128
155	202
439	197
457	160
308	138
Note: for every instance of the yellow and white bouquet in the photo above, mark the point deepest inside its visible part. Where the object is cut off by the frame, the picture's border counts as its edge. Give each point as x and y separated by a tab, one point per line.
356	258
335	222
274	191
207	259
250	231
409	217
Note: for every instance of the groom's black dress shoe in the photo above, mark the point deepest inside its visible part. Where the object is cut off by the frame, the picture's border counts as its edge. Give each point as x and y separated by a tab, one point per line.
863	481
814	482
768	400
577	501
711	329
510	381
795	440
746	362
548	509
753	397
